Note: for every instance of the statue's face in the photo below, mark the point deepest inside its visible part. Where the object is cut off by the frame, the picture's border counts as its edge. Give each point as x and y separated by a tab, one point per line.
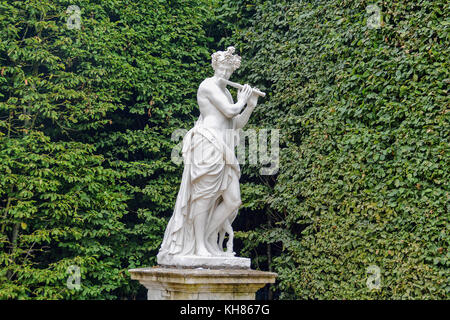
223	71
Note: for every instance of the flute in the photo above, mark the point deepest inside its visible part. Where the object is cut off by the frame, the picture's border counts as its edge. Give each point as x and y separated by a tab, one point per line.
240	86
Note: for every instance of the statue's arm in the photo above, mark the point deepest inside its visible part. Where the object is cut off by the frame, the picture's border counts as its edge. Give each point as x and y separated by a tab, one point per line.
242	119
219	100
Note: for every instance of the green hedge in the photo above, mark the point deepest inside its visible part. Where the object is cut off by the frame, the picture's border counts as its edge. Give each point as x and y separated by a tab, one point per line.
86	117
364	121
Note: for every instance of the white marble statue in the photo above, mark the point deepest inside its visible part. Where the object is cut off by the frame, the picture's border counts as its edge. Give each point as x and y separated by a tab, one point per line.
209	196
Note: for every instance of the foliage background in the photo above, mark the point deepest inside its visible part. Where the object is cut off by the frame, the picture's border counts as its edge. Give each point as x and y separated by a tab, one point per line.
364	121
86	118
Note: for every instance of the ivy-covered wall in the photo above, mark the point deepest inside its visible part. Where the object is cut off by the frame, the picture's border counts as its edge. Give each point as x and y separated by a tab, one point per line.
363	113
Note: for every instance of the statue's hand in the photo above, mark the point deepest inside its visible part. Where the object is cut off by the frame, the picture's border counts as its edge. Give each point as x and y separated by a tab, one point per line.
244	93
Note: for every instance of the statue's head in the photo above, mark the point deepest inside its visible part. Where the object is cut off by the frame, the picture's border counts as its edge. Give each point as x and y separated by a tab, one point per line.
225	62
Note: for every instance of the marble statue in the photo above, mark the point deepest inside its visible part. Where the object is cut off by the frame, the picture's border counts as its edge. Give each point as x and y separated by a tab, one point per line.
209	196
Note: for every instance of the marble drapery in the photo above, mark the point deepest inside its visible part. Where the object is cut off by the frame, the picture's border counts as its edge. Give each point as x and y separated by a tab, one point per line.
209	163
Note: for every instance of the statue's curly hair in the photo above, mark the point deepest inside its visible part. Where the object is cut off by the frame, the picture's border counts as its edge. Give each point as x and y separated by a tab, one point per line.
226	57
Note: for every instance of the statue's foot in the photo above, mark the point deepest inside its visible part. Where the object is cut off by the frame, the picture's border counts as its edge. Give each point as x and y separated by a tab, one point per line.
203	252
222	254
230	251
213	247
217	253
229	254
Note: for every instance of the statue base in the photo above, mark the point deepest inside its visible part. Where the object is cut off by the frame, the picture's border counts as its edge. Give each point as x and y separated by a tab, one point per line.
165	283
191	261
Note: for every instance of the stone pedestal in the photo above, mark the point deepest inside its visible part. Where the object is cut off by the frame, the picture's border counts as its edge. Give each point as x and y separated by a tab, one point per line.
165	283
204	262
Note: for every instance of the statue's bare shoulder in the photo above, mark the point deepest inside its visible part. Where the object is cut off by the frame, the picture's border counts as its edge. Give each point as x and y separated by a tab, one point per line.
208	87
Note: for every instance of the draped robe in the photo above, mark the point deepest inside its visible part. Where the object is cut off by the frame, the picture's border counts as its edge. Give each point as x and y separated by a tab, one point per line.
210	165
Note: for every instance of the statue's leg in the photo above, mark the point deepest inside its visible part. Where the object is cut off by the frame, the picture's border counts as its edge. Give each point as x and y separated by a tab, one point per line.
231	202
211	239
221	238
212	244
229	230
200	209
